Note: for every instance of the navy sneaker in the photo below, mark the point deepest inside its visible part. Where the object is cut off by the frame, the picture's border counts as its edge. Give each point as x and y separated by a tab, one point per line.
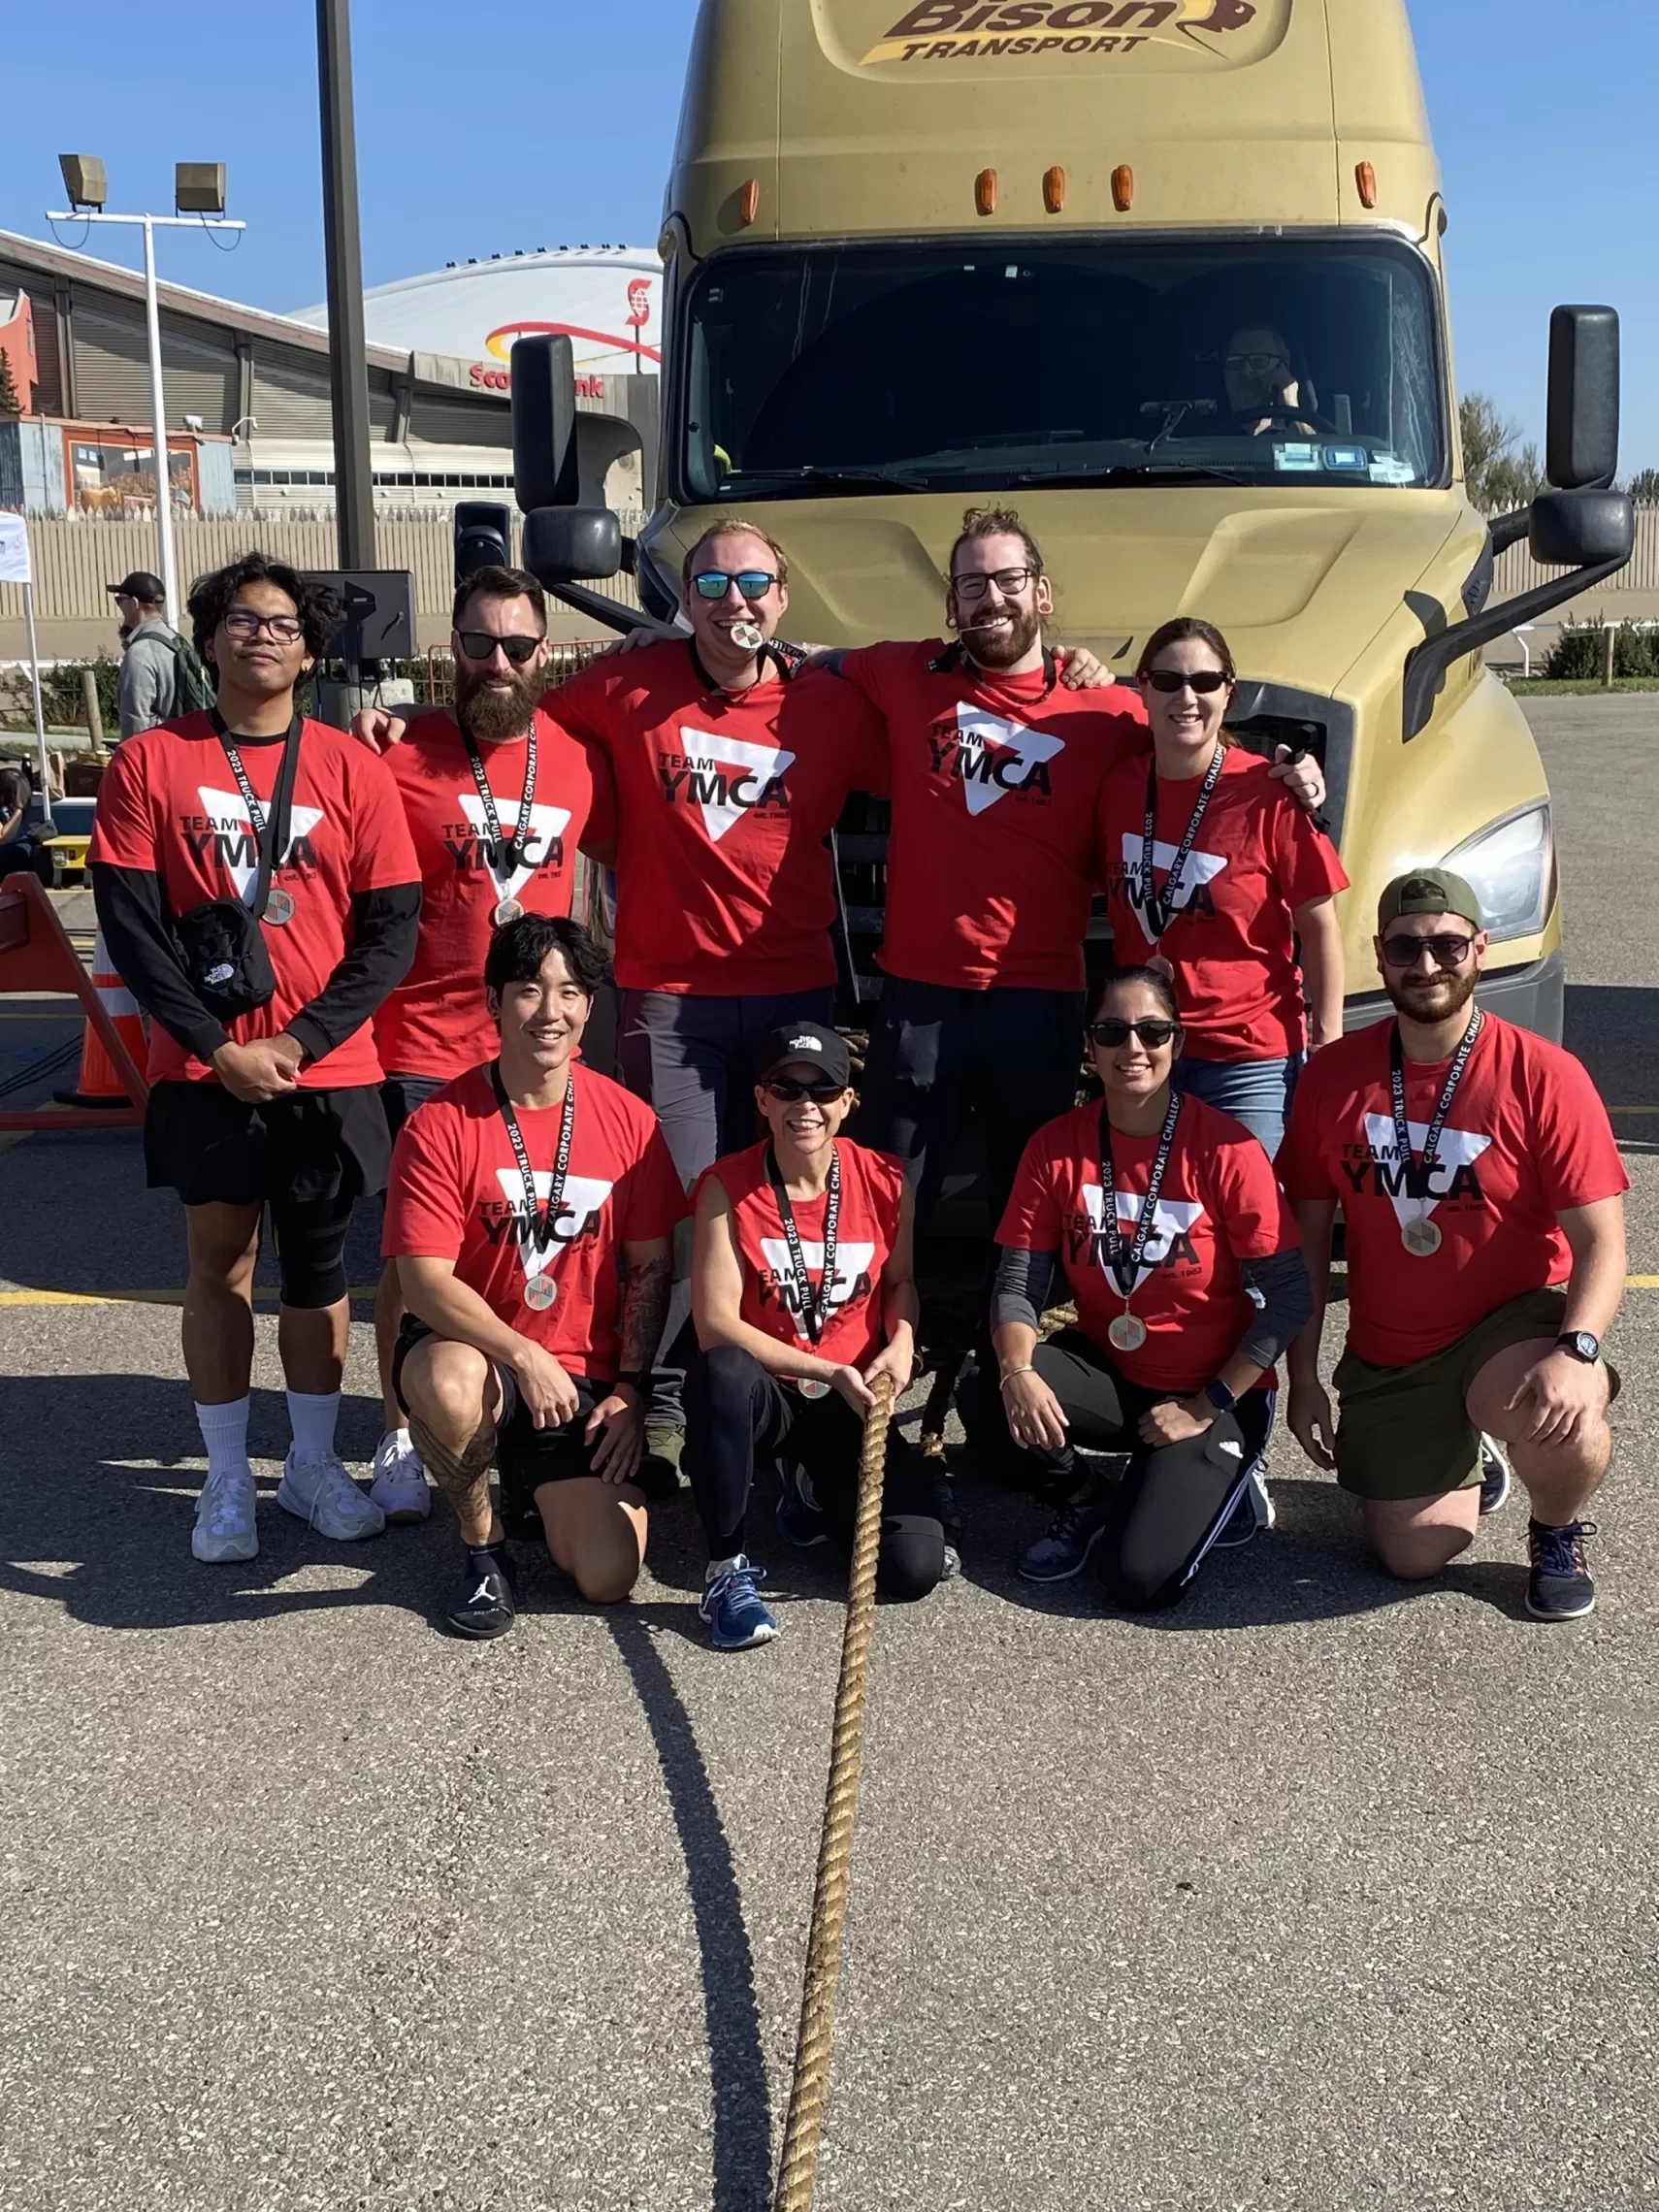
731	1606
483	1607
801	1520
1063	1549
1559	1586
1495	1476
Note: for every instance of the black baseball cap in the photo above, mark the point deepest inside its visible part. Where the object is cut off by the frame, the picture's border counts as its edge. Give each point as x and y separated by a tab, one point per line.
139	585
1428	890
808	1044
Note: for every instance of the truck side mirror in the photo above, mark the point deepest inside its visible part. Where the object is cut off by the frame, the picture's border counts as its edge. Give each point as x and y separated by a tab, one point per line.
565	543
483	537
1583	397
544	469
1581	530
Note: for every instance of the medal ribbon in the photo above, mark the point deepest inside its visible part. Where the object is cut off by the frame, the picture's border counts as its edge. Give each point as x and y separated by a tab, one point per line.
255	812
1397	1084
510	853
1160	912
814	1307
1123	1263
540	1229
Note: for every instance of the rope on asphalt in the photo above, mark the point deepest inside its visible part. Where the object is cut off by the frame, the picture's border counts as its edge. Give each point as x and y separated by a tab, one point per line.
809	2093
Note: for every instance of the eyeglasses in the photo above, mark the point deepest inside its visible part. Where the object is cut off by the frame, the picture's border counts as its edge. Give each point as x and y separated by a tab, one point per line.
787	1090
972	582
480	645
1169	681
1154	1035
1259	363
243	622
715	583
1450	951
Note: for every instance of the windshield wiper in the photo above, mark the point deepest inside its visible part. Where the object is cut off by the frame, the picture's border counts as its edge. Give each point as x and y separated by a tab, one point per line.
1143	472
833	479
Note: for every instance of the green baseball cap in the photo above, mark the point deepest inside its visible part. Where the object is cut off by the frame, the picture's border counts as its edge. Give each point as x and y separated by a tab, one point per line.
1428	890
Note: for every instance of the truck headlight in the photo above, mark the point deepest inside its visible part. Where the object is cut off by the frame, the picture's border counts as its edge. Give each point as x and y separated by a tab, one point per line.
1510	869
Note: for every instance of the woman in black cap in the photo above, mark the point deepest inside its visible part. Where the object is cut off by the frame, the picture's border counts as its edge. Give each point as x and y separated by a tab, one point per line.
803	1294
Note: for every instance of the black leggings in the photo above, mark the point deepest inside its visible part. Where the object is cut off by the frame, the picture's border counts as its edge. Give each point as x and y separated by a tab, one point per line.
734	1411
1174	1501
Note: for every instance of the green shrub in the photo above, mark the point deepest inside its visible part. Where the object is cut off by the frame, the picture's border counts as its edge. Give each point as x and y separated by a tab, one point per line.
1577	655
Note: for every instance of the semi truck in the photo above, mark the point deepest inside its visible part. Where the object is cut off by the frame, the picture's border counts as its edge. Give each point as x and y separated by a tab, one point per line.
1169	278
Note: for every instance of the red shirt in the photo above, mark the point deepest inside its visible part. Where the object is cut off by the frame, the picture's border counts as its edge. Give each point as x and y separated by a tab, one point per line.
723	802
867	1229
1528	1138
995	784
457	1193
1256	859
169	804
1220	1204
435	1023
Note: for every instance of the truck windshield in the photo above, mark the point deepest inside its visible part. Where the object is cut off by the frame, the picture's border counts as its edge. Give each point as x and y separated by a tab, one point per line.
828	369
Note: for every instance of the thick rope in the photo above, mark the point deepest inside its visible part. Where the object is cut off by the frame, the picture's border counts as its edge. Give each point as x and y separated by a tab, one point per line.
810	2094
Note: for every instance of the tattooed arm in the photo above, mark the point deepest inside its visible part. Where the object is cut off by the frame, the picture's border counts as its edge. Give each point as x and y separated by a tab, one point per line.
621	1416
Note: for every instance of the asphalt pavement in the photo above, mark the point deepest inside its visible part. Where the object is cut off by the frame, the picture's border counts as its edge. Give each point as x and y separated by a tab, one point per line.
1318	1892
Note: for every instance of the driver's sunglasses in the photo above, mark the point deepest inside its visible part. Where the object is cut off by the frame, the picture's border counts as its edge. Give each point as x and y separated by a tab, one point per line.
971	583
715	583
1406	952
1154	1035
788	1091
480	645
1261	363
243	622
1173	681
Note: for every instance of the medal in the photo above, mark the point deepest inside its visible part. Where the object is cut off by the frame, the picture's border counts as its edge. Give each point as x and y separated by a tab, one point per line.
1159	912
814	1307
506	860
749	636
1421	1237
540	1288
809	1386
278	906
1127	1333
509	910
1122	1262
540	1291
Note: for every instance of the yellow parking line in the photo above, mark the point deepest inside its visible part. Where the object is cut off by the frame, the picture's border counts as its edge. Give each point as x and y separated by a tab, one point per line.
260	1297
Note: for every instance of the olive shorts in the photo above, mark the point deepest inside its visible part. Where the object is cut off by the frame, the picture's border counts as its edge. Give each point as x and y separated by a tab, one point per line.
1405	1432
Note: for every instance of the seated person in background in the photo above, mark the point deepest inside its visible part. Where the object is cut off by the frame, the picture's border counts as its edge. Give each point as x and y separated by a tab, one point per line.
1262	390
1189	1284
804	1294
16	848
529	1215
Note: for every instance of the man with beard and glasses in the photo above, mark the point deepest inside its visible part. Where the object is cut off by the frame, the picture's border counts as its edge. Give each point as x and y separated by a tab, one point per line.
1482	1192
497	795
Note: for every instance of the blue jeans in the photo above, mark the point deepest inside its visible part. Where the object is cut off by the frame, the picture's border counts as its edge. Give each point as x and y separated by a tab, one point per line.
1255	1092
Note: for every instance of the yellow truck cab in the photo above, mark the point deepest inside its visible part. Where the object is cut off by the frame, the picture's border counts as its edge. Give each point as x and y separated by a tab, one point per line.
1165	276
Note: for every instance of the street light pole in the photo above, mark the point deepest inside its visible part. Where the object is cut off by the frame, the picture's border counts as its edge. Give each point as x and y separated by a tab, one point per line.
347	351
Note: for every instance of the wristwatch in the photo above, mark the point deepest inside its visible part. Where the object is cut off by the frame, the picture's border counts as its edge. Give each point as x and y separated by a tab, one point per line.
1222	1398
1579	1343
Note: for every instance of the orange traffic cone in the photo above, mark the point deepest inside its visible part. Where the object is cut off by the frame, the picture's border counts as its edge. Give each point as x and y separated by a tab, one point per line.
99	1083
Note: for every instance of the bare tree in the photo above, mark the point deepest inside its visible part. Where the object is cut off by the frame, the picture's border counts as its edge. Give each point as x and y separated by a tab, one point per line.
1497	477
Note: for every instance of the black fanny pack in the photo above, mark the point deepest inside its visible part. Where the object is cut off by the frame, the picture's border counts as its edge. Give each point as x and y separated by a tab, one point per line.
220	943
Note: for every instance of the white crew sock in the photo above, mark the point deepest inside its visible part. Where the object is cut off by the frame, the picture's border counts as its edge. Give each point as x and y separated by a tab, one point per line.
313	1418
224	1432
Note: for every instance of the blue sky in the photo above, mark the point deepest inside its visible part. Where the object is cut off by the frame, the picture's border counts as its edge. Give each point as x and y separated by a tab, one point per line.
1541	113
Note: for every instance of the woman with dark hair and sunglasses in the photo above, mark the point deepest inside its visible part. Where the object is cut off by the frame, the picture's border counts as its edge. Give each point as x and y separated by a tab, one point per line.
1213	873
1189	1284
803	1294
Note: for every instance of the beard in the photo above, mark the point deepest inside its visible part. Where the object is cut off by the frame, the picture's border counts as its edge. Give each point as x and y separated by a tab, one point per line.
1001	648
492	715
1450	993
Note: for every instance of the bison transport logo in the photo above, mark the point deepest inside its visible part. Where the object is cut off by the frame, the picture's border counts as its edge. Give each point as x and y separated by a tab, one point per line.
943	30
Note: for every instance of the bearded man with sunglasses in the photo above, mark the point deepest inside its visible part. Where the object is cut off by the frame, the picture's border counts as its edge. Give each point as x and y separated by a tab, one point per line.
1482	1192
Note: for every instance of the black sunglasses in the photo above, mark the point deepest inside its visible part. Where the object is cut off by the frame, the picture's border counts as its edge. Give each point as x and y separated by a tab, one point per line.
1173	681
1154	1035
715	583
1450	951
480	645
787	1090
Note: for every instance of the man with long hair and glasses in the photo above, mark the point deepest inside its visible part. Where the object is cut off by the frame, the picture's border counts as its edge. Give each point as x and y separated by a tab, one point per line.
259	896
498	795
1483	1197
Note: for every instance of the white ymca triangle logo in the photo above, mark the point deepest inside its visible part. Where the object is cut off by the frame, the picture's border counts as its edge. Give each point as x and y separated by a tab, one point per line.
724	800
1172	1217
228	810
851	1262
985	779
546	823
584	1195
1200	868
1457	1148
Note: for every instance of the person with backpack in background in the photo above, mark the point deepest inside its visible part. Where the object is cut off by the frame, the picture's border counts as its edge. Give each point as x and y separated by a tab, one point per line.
161	675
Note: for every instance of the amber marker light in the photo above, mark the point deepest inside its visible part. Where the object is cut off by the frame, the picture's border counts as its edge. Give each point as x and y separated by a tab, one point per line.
1365	177
1123	187
749	201
985	191
1054	189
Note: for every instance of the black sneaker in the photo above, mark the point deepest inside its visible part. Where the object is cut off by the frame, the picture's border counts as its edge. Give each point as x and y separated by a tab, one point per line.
1495	1476
483	1607
1559	1586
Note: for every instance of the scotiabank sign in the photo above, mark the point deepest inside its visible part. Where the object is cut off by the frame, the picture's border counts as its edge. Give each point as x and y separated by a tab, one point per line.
485	377
945	30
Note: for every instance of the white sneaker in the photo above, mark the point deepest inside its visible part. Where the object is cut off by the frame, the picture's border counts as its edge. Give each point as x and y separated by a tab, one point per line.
225	1517
399	1487
322	1494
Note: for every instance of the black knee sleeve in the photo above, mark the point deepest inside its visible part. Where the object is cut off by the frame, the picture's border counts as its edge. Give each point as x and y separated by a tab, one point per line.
311	1253
912	1556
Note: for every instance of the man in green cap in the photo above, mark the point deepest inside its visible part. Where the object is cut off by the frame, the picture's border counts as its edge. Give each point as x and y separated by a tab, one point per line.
1482	1192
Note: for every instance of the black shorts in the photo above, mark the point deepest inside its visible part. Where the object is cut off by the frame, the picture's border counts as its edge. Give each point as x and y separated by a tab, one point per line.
400	1094
526	1457
317	1146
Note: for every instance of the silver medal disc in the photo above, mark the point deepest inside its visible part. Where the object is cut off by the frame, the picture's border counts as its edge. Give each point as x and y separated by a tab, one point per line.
1421	1238
1127	1333
748	636
540	1293
809	1386
509	910
278	906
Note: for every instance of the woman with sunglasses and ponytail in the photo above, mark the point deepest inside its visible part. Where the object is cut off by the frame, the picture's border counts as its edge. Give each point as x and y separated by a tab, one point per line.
1188	1283
803	1295
1213	873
